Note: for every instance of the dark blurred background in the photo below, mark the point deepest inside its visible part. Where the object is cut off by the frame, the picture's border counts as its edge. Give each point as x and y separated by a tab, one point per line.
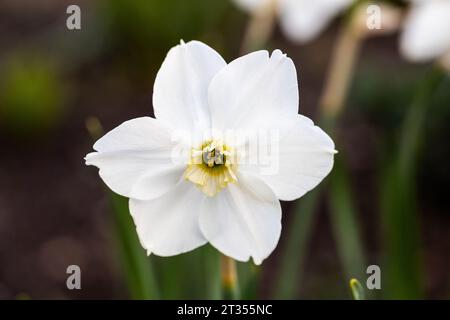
55	211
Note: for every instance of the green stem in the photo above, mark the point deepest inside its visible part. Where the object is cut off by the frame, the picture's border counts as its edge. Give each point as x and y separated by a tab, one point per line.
230	286
410	139
211	272
259	28
250	286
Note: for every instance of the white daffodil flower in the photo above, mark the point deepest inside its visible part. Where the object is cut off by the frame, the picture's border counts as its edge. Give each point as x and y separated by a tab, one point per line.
426	34
301	20
188	184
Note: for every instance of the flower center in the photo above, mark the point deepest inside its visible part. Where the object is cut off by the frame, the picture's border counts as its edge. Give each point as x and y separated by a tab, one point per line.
211	167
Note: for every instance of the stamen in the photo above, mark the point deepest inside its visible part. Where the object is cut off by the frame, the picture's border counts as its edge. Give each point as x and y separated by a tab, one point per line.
212	167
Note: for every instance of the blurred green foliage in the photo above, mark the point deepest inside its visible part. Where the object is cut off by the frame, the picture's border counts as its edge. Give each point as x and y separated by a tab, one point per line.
383	98
403	247
193	275
143	30
32	95
405	108
159	23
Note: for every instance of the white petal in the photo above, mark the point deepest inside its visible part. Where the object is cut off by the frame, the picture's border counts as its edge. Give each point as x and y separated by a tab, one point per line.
180	93
243	220
254	91
303	20
168	225
426	32
135	159
251	5
305	157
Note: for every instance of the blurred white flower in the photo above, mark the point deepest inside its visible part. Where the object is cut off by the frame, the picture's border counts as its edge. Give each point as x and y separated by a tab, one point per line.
208	196
302	20
426	33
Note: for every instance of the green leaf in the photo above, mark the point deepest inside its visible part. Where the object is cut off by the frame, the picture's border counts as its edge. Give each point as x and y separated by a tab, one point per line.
137	266
402	261
293	256
344	222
